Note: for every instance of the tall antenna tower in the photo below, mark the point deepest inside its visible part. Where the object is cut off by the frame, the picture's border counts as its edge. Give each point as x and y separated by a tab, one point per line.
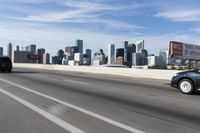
22	47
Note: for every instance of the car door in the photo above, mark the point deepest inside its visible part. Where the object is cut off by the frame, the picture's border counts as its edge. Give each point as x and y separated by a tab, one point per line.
197	78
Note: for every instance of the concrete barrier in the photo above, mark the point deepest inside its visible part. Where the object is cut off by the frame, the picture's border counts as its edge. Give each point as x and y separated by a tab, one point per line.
141	73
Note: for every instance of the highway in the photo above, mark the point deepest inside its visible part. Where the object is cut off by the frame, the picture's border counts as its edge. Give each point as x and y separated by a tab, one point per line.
43	101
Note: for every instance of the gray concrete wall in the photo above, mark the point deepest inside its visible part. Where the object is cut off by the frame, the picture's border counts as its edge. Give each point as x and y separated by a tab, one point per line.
141	73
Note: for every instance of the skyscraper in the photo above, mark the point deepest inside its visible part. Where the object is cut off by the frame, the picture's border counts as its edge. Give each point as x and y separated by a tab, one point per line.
140	45
79	44
111	53
31	48
46	58
9	53
145	52
40	53
139	59
89	56
131	48
119	52
22	57
125	44
125	51
99	58
1	51
60	55
56	60
17	48
78	58
164	54
155	61
70	51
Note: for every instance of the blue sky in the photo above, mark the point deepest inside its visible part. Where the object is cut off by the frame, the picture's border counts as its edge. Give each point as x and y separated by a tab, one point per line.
54	24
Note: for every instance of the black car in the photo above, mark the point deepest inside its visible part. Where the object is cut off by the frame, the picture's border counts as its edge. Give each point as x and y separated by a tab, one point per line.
187	82
5	64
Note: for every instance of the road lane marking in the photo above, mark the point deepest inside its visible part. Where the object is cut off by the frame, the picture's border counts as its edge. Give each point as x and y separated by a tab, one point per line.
87	112
76	82
45	114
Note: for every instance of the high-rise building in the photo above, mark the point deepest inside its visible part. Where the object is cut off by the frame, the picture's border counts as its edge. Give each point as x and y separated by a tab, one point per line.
101	53
78	58
154	61
140	45
119	52
9	53
21	57
139	59
60	55
55	60
89	57
99	58
31	48
17	48
111	53
79	44
125	44
1	51
46	58
70	51
40	53
131	48
144	51
164	54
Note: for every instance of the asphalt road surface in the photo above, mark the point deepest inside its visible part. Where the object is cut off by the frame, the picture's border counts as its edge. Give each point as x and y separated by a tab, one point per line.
42	101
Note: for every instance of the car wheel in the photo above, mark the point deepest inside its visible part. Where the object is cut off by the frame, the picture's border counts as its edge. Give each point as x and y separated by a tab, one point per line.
186	86
9	70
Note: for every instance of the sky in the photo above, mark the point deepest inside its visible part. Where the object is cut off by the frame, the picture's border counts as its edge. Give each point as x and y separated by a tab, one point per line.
55	24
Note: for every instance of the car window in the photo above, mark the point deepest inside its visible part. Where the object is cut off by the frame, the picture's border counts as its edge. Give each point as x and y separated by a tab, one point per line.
5	60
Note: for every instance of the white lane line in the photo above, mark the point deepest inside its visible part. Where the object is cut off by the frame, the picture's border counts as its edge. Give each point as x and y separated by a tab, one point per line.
76	82
97	116
45	114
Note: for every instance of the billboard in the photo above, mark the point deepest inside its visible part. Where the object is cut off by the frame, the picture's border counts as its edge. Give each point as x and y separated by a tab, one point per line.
184	50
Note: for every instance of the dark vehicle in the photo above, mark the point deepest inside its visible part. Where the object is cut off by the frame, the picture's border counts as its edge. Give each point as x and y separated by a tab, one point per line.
187	82
5	64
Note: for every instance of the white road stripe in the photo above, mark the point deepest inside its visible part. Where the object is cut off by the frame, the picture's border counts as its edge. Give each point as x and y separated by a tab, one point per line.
76	82
45	114
97	116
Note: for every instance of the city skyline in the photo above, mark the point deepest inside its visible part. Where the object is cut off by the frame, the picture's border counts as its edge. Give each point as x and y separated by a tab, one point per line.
55	24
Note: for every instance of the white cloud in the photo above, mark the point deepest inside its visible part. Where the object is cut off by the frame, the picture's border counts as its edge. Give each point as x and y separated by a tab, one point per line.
99	6
195	30
181	15
83	12
27	1
72	17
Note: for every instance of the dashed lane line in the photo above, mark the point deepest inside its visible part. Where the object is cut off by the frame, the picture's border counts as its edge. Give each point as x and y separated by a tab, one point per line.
87	112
